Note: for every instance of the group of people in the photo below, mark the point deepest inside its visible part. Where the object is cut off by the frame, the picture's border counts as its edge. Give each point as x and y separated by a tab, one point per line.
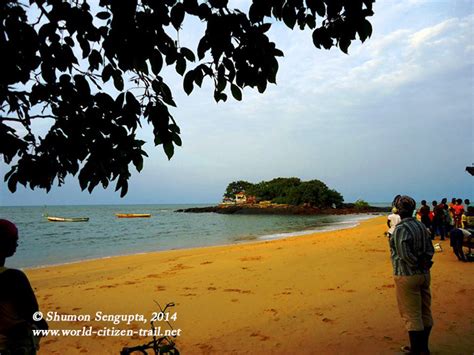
454	220
444	217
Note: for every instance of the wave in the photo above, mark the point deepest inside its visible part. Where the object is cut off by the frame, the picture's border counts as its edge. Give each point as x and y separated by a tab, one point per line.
323	227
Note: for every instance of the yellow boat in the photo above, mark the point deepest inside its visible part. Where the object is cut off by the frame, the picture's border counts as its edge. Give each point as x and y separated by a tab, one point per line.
133	215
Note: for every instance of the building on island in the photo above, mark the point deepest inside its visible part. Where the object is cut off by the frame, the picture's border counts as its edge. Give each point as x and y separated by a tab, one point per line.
228	201
240	198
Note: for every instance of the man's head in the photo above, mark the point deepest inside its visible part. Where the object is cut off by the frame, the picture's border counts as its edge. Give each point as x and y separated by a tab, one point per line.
435	203
467	202
423	202
444	200
459	201
8	238
405	205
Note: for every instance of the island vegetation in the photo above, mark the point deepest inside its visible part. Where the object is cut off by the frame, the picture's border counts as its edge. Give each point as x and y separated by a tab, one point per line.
289	191
285	196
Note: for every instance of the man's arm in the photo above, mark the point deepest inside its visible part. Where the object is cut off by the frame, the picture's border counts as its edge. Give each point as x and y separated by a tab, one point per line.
24	297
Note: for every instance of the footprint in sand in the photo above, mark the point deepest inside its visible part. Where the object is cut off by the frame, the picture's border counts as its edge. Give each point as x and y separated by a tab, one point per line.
77	309
212	288
376	250
261	336
234	300
251	258
108	286
272	311
178	267
206	348
149	276
206	263
160	288
327	320
237	290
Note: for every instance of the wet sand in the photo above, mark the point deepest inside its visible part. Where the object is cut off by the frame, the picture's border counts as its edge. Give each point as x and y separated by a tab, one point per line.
325	293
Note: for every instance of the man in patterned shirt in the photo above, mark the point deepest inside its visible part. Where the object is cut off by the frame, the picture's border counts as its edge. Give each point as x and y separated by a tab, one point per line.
411	251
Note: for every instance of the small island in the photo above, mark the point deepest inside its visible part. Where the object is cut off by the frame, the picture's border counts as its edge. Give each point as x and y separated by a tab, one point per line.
285	196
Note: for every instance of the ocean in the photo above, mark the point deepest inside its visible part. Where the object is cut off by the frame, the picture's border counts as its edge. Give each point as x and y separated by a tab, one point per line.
48	243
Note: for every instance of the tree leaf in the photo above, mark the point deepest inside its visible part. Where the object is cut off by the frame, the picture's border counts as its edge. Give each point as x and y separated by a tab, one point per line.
103	15
289	16
188	54
188	82
107	73
156	61
181	66
236	93
177	15
364	30
344	44
177	139
118	80
169	149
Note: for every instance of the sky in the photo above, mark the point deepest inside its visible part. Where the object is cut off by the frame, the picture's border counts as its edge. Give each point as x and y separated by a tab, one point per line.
395	116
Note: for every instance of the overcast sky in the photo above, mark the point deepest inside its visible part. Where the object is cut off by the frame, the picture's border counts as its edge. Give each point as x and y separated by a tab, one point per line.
394	116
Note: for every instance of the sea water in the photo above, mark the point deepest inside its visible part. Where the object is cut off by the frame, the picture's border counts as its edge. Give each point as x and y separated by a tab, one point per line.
104	235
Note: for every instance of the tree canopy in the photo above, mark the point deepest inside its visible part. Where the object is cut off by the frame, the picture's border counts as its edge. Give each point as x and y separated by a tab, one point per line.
59	56
290	191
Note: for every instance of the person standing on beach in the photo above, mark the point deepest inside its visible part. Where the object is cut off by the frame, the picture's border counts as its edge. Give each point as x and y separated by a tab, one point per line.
458	210
17	300
437	225
411	251
392	220
425	214
467	204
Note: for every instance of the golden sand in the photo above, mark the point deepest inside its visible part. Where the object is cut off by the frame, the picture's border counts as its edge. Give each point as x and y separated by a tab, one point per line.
326	293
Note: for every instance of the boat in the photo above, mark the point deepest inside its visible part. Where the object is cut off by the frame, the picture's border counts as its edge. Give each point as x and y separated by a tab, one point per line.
133	215
68	219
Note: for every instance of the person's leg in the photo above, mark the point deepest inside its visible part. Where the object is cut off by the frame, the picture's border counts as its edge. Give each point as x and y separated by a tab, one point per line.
442	230
410	307
456	237
426	313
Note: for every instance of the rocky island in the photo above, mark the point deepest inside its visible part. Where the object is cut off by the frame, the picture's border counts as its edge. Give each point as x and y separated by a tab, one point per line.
285	196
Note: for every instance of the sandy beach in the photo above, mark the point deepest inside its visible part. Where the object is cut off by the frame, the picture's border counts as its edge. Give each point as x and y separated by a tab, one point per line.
325	293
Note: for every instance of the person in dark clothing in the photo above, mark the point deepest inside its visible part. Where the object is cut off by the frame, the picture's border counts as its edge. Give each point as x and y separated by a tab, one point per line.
17	301
437	225
424	212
